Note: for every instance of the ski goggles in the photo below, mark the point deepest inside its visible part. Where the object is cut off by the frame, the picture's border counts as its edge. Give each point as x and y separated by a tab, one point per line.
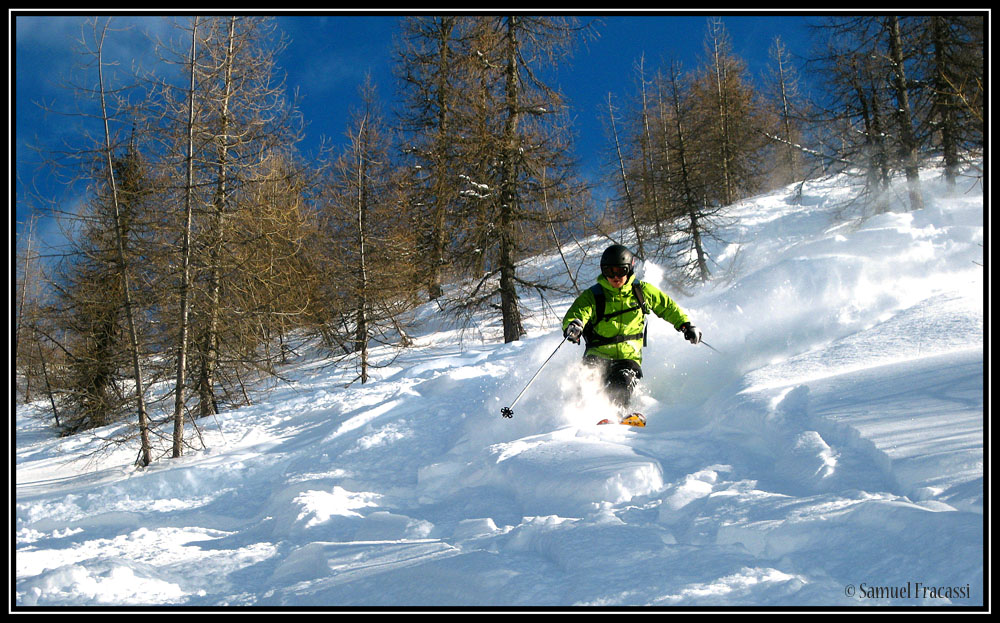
616	272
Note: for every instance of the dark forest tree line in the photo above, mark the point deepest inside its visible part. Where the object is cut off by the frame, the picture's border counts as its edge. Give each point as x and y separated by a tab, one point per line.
208	249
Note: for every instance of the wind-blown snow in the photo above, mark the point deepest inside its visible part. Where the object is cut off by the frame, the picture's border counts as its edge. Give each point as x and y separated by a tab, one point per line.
829	454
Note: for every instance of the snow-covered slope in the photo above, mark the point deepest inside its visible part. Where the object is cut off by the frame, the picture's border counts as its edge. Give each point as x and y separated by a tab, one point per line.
831	454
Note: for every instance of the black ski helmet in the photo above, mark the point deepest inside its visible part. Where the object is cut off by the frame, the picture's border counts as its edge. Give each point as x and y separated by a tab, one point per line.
618	255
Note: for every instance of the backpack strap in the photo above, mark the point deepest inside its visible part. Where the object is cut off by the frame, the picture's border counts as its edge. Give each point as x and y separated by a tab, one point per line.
640	297
598	291
588	331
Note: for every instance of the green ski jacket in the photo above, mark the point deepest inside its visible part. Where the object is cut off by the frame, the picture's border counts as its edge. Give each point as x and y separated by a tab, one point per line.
630	324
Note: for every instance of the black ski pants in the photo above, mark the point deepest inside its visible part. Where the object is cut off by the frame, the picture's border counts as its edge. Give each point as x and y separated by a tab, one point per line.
620	377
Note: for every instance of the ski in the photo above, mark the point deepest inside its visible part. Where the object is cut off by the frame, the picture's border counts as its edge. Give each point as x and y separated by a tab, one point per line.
633	419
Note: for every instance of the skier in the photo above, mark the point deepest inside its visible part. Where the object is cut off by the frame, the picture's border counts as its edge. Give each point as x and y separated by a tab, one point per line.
610	317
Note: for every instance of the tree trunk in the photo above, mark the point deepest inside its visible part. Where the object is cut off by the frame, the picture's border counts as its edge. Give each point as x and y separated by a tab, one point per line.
512	328
908	140
625	186
690	201
133	334
182	342
361	335
944	100
210	344
442	184
722	113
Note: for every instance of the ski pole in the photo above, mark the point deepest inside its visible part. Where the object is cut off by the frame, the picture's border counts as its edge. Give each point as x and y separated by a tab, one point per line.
508	411
709	345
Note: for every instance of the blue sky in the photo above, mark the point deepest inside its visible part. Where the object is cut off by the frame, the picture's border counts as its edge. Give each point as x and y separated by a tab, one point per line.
328	56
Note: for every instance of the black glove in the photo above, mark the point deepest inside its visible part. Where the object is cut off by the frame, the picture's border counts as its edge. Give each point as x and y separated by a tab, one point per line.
573	331
691	333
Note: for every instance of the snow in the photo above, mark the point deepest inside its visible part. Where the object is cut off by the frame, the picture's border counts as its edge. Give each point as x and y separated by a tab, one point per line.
831	449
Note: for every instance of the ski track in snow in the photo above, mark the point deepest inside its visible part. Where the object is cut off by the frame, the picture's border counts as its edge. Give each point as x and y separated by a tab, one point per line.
834	448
